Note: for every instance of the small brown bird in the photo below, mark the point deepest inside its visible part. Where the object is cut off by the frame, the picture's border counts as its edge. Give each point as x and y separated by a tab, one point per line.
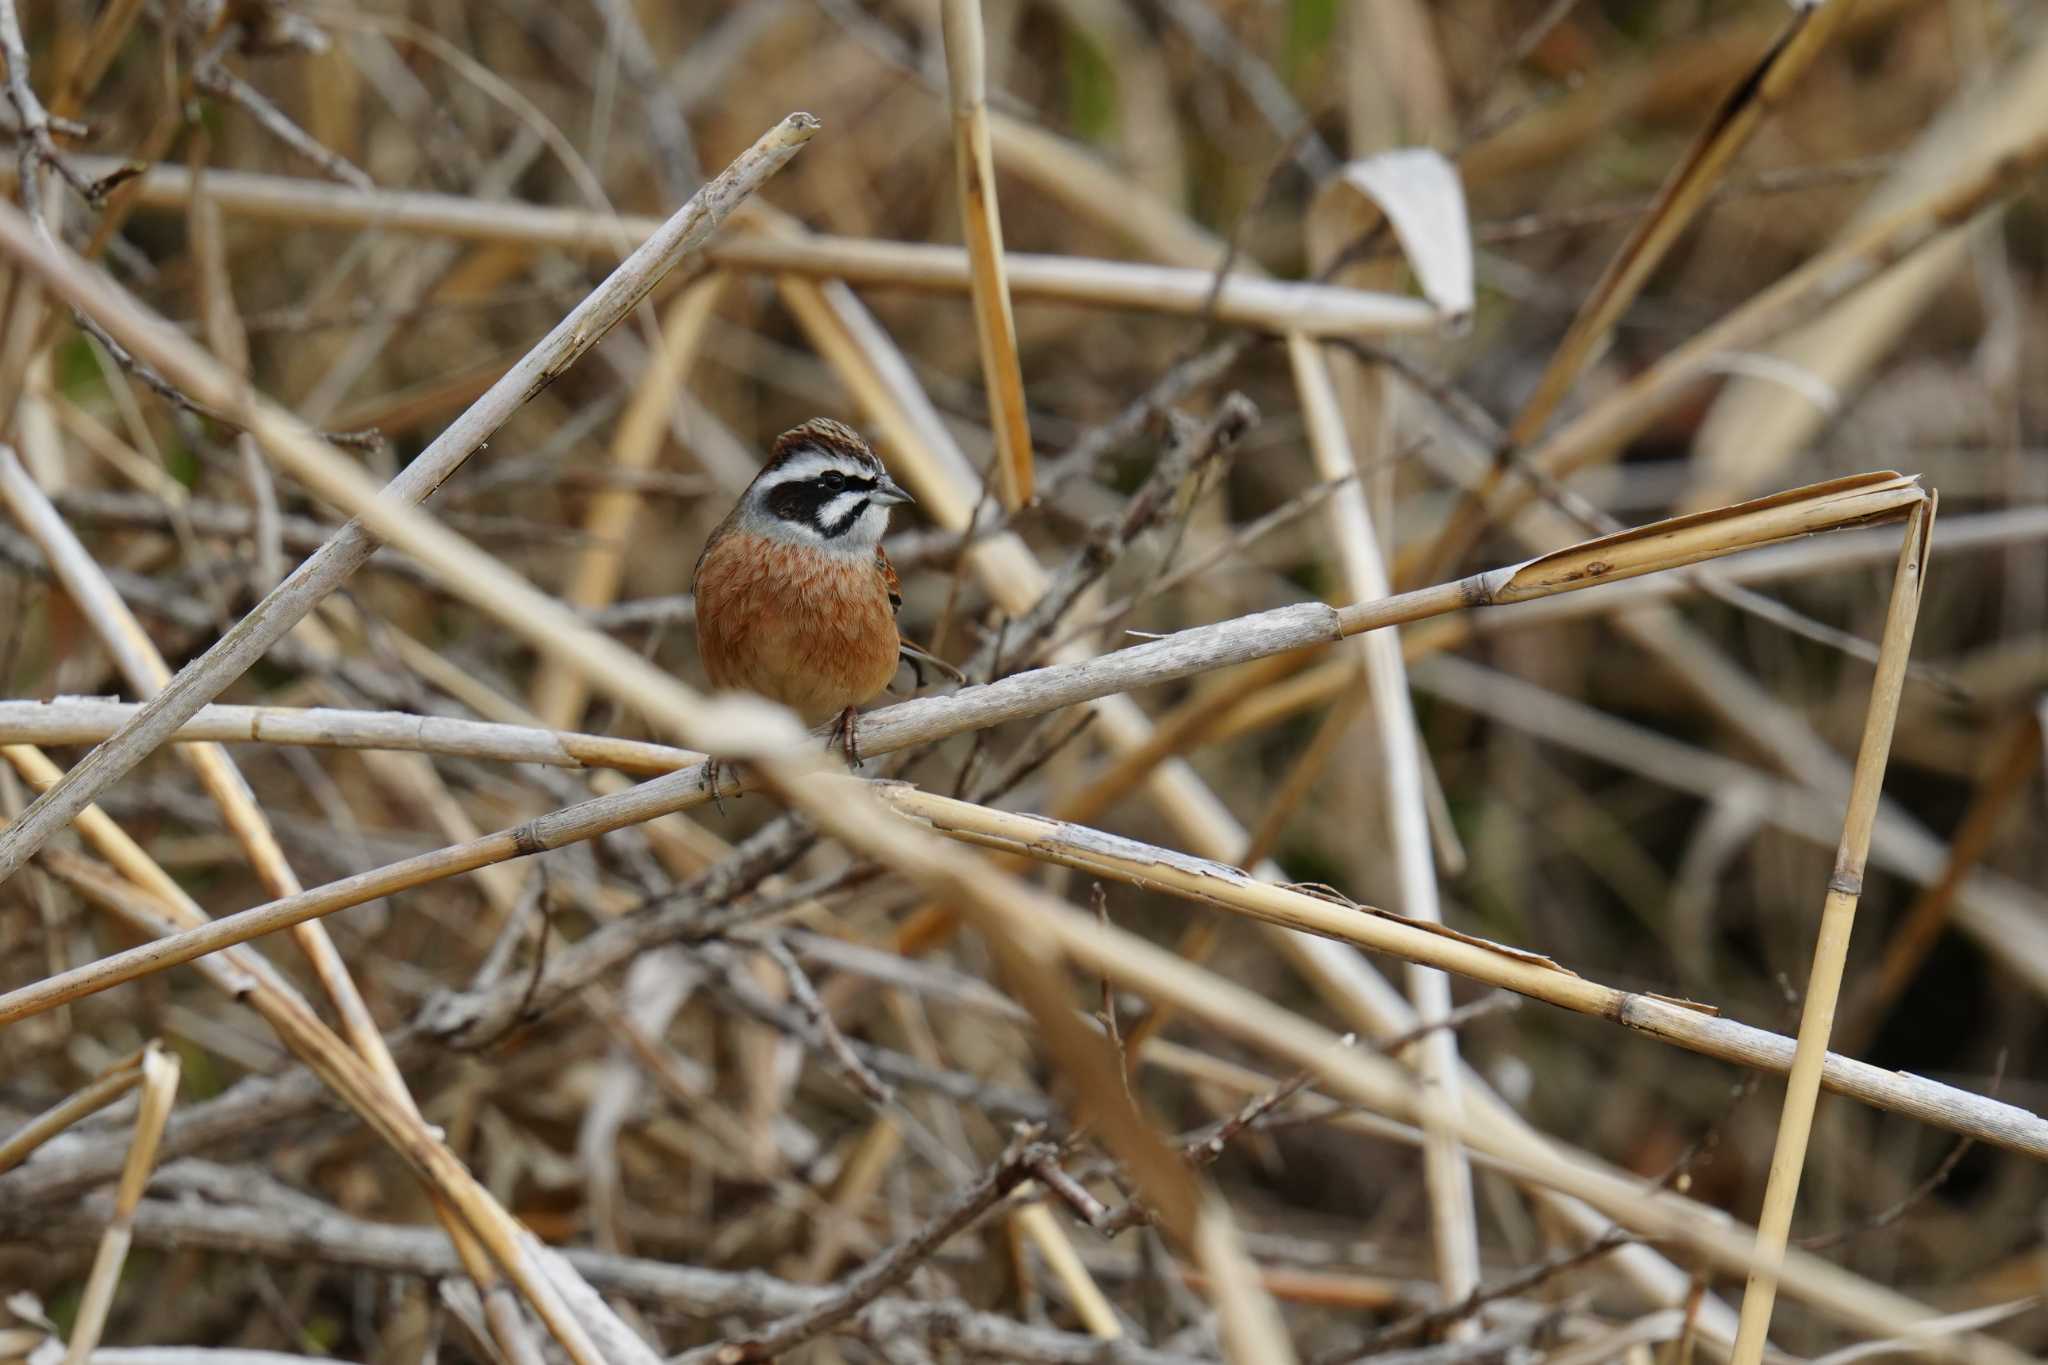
795	600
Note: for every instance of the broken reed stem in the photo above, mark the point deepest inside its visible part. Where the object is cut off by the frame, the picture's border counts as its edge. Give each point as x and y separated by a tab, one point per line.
116	1081
289	441
1446	1173
1269	305
981	224
157	1071
1831	949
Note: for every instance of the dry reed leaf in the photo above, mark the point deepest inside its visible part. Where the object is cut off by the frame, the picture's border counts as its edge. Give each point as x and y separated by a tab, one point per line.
1418	192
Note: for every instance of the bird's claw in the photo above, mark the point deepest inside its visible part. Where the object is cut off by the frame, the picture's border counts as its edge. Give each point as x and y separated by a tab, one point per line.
844	733
713	768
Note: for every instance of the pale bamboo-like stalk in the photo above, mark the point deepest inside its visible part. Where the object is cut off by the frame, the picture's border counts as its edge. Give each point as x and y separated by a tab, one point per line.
1448	1176
1176	290
284	436
981	223
158	1076
558	693
88	720
1831	949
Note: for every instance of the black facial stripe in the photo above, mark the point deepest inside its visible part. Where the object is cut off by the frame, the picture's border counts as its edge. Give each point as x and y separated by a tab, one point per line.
805	500
846	523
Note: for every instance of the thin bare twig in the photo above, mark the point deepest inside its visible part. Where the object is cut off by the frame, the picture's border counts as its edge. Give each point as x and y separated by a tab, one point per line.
962	1209
820	1017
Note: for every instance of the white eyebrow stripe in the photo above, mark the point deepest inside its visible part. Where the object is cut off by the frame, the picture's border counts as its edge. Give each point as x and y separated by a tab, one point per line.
809	464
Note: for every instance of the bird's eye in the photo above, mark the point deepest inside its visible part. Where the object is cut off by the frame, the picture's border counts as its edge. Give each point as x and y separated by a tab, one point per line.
833	480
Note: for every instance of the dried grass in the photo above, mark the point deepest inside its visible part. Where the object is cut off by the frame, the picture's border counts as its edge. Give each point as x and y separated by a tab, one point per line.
843	1071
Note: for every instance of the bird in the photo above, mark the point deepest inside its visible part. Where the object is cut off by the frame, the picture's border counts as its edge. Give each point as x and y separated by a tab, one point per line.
796	601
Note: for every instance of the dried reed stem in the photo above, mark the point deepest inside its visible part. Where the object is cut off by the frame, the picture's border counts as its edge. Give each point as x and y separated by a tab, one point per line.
1600	433
79	720
202	680
1184	291
1454	1221
1681	1023
110	1085
158	1074
147	673
981	224
558	693
1831	949
1854	501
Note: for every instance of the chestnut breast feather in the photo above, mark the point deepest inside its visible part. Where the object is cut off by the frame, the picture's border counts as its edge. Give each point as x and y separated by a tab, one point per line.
815	632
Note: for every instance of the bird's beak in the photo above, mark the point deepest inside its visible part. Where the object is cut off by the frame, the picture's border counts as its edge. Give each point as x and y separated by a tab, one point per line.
889	492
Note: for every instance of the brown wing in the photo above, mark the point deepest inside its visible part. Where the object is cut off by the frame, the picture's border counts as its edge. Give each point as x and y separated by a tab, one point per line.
915	655
890	581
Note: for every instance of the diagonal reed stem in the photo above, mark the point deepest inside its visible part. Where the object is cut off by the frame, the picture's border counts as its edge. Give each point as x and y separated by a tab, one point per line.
203	679
1831	950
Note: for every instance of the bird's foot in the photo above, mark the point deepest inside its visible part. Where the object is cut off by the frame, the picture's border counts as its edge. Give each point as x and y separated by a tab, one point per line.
714	770
845	733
